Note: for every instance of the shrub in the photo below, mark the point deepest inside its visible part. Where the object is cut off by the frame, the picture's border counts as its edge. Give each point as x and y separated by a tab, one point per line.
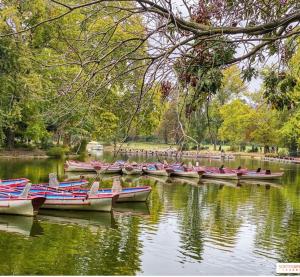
57	151
283	152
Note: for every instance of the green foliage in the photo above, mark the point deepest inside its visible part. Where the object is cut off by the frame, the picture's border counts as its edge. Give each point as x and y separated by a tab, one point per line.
57	152
236	122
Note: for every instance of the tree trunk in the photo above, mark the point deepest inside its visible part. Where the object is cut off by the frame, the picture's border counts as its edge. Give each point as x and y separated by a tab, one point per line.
10	137
266	149
293	147
166	136
66	140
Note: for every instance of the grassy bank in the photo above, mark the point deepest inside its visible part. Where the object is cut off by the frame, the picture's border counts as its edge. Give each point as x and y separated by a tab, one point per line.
209	148
54	152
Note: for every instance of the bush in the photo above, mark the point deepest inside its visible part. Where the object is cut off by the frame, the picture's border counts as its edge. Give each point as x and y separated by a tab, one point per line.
283	152
57	151
234	148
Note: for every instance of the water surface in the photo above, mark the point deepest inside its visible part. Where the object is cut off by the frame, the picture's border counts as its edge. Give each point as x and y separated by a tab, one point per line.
186	228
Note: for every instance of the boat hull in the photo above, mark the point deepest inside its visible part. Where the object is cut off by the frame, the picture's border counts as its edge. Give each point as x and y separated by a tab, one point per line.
134	196
91	204
189	174
275	176
109	170
223	176
156	172
132	171
72	168
27	207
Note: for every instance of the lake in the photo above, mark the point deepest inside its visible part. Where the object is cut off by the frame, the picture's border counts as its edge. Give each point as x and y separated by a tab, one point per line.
186	228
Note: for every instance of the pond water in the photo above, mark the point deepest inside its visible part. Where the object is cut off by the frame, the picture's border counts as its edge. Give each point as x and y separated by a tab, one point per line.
186	228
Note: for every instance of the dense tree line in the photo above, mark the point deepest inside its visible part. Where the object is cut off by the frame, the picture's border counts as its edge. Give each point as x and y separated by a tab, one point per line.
80	70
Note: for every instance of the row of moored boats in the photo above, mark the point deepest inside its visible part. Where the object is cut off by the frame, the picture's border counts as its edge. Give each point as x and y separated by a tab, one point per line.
19	196
172	170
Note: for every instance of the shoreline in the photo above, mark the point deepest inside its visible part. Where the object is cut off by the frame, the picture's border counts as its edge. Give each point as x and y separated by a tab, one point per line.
28	154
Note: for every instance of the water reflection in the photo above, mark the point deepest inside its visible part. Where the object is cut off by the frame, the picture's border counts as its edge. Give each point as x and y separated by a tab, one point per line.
188	227
26	226
82	218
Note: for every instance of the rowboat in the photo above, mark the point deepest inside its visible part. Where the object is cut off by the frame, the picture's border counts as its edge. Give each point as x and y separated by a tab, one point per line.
53	183
14	182
267	175
90	200
131	194
132	170
184	172
108	169
128	170
225	176
21	204
76	166
154	169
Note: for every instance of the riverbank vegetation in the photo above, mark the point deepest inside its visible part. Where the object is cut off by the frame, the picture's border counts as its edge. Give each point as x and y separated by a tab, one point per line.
70	74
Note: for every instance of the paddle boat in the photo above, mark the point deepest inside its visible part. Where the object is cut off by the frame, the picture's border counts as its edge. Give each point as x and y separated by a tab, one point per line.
14	182
155	169
22	203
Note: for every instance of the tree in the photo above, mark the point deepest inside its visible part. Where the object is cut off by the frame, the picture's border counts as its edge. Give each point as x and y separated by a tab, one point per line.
265	127
236	122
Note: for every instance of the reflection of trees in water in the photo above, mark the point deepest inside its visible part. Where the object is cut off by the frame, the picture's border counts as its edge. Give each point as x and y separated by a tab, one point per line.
36	170
222	218
73	250
191	232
